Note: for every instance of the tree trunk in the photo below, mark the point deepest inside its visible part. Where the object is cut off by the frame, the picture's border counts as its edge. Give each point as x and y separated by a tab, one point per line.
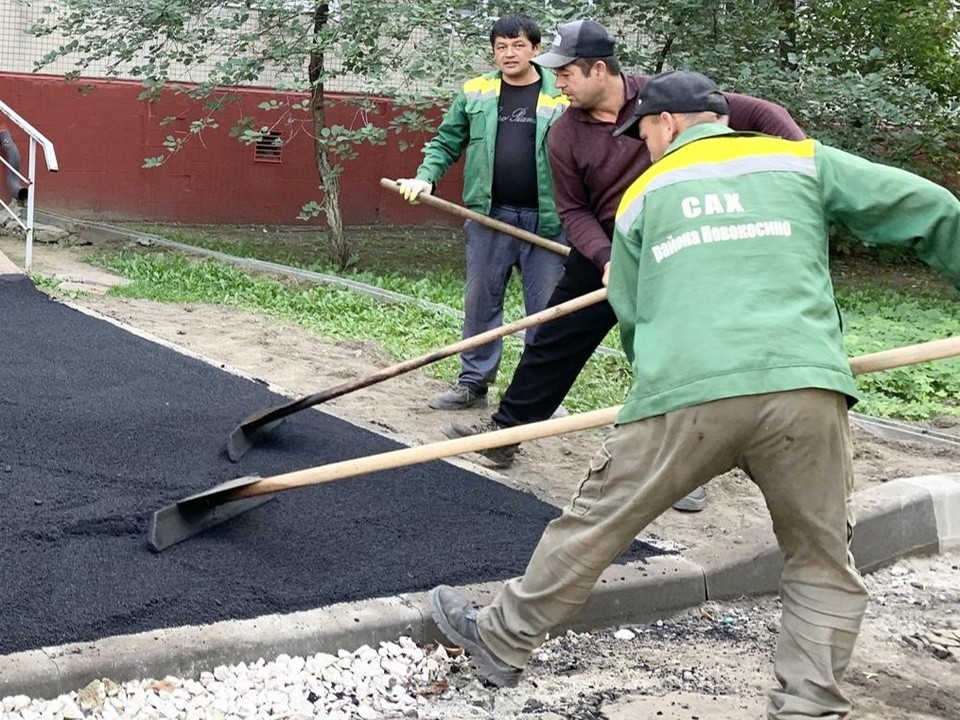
788	41
328	172
662	55
330	177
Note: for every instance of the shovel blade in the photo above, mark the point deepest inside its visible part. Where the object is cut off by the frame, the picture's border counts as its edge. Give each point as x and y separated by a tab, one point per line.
246	435
192	515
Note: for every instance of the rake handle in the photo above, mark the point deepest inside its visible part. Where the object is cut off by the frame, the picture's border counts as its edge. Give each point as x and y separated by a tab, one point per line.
467	214
885	360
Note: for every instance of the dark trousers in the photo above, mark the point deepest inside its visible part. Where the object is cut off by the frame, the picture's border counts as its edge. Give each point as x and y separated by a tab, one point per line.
550	364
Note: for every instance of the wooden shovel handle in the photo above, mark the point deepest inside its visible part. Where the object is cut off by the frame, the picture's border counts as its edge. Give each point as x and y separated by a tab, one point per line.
544	316
907	355
426	453
886	360
468	214
273	414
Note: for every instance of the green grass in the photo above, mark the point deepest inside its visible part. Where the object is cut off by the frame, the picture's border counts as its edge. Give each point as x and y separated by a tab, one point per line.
443	284
422	262
882	308
46	282
53	284
404	330
882	318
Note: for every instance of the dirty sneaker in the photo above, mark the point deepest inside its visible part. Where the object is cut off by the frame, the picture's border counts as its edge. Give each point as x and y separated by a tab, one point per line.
459	397
457	619
502	457
694	502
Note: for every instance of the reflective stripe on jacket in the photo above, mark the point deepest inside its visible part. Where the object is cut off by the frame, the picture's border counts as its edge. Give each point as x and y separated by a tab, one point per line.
471	124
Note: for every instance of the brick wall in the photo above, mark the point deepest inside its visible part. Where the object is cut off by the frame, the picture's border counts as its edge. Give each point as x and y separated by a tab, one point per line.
102	133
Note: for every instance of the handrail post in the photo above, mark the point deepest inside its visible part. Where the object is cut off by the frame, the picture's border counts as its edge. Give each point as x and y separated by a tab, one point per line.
32	174
49	155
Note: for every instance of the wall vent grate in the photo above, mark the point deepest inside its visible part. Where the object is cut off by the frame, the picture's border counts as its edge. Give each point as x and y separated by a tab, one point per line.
269	148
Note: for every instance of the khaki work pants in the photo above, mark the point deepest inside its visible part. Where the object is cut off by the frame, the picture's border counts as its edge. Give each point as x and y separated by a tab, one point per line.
796	447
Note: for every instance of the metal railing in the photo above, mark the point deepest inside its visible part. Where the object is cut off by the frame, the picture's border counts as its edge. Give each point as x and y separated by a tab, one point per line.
49	155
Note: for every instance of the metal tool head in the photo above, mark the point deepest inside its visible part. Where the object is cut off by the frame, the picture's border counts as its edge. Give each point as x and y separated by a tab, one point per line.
246	435
192	515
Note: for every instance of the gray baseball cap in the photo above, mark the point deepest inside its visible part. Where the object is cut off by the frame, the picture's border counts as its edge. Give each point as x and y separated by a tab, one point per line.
676	91
577	39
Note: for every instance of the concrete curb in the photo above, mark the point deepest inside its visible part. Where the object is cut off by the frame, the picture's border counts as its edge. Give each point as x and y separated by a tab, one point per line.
893	430
69	224
909	515
904	516
187	651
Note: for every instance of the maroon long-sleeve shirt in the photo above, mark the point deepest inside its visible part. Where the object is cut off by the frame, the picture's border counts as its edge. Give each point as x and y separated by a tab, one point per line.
592	169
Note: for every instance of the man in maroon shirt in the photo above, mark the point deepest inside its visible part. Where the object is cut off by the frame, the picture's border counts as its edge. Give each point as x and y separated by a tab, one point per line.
591	171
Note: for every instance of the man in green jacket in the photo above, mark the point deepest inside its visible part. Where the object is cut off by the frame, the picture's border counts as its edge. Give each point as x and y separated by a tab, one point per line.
720	282
500	119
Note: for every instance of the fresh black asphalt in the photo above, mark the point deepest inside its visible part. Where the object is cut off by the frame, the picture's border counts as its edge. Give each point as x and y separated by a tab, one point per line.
99	428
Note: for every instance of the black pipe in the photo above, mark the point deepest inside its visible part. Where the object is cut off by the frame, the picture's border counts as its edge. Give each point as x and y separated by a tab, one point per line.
11	154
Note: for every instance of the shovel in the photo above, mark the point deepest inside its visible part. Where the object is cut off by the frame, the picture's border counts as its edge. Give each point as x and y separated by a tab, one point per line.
246	434
196	513
467	214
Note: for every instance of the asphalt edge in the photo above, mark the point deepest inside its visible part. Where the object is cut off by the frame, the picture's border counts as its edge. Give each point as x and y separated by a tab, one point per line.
383	431
904	516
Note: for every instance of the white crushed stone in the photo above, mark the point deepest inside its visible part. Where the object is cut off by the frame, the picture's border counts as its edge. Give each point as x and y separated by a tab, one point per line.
392	680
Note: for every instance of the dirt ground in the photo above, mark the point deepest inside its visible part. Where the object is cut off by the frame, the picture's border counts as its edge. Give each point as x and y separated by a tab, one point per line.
714	662
719	669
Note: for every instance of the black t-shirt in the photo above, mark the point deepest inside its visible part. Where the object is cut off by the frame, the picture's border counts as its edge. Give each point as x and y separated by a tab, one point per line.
515	161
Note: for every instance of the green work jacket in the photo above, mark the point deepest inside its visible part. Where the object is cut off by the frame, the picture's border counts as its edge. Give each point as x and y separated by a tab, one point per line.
471	124
719	273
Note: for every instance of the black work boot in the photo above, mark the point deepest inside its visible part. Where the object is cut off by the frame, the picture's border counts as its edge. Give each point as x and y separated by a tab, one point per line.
502	457
457	619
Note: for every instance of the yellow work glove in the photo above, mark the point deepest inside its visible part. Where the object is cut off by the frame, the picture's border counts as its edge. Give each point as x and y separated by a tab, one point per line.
412	188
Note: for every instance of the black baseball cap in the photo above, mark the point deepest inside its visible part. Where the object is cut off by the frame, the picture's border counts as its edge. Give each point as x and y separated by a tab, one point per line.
577	39
677	91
